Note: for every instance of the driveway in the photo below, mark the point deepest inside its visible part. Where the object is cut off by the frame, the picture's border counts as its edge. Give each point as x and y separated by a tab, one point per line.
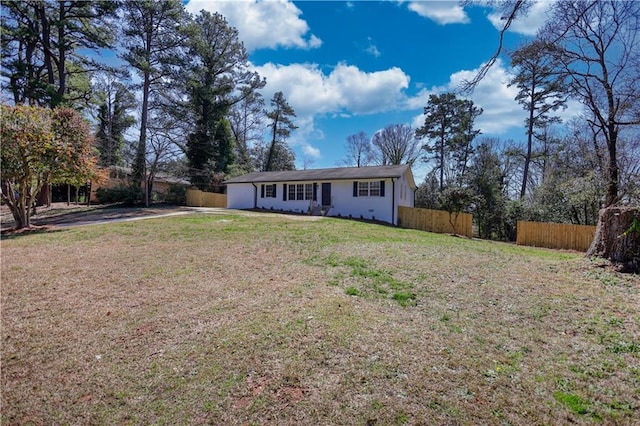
61	215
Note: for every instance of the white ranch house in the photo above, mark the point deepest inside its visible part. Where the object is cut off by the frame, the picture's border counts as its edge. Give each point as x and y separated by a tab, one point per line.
373	192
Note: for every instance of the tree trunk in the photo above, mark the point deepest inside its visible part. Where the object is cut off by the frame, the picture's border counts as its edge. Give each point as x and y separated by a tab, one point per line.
618	238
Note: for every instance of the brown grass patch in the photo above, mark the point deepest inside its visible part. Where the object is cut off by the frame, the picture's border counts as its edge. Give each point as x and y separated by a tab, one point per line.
244	320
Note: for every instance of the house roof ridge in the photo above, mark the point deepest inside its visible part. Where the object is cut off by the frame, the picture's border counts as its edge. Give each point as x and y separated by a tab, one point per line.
334	173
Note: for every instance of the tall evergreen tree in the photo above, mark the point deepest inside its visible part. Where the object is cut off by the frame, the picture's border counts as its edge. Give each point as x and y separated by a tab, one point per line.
152	36
449	127
282	156
541	92
281	127
225	155
115	102
44	46
218	78
462	145
486	181
247	124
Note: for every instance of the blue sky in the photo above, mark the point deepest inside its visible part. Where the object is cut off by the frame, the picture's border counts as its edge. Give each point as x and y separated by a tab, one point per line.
347	67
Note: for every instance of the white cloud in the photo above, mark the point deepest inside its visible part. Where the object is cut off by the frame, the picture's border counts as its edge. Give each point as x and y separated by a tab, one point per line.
262	24
311	151
442	12
346	90
372	49
526	25
501	112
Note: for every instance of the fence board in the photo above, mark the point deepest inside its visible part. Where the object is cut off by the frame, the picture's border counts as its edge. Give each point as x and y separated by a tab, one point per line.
434	221
197	198
555	235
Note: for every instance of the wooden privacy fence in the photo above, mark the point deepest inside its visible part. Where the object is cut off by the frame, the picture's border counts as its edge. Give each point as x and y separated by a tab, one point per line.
434	221
555	235
197	198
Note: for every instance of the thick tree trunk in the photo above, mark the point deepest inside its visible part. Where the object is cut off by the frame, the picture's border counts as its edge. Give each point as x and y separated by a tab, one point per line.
618	238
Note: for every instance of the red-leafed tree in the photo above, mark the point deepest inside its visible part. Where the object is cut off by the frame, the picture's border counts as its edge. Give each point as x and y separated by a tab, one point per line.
40	146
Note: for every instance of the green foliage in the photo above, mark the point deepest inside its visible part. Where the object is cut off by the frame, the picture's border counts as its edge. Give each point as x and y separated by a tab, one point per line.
427	193
541	92
448	127
485	181
177	194
635	227
41	146
219	71
455	200
225	149
573	185
281	127
115	101
282	156
126	194
154	32
44	46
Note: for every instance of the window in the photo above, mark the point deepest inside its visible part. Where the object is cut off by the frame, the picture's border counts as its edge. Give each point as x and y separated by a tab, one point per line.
363	189
300	191
374	189
269	191
368	189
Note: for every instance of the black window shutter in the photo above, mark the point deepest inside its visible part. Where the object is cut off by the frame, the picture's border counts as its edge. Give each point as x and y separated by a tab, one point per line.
355	189
275	185
262	191
284	192
382	188
315	192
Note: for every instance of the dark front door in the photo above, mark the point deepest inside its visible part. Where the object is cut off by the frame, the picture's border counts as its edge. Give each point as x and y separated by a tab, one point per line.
326	194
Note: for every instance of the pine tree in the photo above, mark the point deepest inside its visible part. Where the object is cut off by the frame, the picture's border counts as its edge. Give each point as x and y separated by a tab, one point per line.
281	127
540	92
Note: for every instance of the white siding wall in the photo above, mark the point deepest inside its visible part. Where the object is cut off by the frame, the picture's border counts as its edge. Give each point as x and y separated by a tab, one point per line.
277	202
404	193
345	204
240	196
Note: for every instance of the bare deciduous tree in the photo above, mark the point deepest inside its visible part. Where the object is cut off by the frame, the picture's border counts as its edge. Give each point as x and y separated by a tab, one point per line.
396	144
359	150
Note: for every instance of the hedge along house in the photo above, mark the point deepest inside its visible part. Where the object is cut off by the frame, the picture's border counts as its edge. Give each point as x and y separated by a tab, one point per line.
373	192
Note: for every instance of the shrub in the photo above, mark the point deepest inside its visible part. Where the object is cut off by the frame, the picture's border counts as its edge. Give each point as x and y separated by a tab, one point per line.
127	195
176	194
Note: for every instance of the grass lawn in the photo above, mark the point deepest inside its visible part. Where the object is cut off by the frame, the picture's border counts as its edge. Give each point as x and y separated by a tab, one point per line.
267	319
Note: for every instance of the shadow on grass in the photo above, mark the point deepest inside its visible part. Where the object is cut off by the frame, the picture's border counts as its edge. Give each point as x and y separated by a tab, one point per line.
62	216
12	234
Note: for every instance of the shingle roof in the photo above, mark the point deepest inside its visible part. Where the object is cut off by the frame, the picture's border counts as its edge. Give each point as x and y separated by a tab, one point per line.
339	173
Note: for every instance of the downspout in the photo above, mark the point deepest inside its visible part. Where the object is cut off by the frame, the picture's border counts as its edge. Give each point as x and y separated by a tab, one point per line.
393	202
255	195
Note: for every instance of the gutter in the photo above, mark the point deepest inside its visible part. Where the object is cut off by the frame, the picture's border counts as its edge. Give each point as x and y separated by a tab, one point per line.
393	202
255	195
